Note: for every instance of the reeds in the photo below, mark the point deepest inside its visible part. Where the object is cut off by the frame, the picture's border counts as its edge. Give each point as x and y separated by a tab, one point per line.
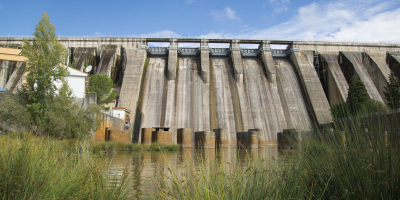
43	168
344	161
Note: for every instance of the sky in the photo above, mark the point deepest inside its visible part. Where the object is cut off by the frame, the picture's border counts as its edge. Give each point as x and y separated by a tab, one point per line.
302	20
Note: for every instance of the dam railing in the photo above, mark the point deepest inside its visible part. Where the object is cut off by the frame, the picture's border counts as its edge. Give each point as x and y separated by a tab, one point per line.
215	52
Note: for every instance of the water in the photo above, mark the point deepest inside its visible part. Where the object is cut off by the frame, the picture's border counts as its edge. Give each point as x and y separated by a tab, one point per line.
145	165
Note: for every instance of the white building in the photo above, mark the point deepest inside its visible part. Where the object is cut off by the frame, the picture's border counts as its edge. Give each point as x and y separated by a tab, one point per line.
76	81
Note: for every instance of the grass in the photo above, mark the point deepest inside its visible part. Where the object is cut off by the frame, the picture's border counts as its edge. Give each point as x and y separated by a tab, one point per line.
44	168
119	146
364	166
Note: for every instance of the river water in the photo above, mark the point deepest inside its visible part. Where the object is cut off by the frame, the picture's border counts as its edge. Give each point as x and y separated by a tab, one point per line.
145	165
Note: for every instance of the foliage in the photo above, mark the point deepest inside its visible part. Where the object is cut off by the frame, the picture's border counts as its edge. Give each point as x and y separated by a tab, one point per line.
392	93
42	106
102	85
340	110
42	168
73	63
357	95
373	106
358	102
13	111
43	69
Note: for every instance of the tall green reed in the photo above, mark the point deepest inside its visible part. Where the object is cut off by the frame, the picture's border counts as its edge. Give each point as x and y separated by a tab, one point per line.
43	168
352	158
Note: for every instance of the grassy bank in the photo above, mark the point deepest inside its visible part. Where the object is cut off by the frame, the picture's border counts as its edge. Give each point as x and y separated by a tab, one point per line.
365	166
119	146
43	168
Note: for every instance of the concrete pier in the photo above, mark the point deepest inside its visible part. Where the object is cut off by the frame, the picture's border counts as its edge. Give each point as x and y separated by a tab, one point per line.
161	137
185	137
288	138
205	61
336	84
272	87
261	140
352	65
221	136
378	70
172	59
247	140
147	136
204	140
237	61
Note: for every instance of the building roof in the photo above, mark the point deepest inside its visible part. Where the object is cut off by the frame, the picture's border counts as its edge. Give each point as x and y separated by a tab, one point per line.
75	72
121	108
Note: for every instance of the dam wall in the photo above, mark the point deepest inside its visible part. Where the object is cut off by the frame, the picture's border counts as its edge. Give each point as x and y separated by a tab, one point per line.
235	89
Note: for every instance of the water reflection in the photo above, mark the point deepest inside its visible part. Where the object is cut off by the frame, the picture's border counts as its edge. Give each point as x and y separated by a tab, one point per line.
146	165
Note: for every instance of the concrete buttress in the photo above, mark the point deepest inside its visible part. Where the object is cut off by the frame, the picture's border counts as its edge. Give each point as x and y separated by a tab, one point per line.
352	65
16	78
312	87
336	82
378	70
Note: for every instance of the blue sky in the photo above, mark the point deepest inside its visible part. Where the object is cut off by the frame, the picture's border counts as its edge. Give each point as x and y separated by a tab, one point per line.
325	20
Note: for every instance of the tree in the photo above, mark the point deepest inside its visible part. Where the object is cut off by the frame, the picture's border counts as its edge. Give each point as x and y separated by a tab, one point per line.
102	85
392	93
40	105
44	55
357	95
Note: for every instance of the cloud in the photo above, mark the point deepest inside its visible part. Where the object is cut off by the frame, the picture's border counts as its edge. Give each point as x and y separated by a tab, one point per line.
279	5
98	33
347	21
190	1
227	13
161	34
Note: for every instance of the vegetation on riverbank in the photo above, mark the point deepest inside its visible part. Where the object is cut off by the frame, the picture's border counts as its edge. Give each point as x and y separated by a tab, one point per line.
43	168
366	165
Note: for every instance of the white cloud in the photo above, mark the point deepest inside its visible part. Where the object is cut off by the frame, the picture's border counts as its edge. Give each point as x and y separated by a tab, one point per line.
161	34
279	5
342	20
227	13
98	33
190	1
351	21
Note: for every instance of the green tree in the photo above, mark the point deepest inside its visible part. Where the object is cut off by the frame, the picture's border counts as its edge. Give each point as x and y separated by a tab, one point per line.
392	93
45	55
40	105
357	95
102	85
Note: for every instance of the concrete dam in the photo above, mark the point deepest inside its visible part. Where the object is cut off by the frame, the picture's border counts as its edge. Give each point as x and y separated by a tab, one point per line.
237	89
